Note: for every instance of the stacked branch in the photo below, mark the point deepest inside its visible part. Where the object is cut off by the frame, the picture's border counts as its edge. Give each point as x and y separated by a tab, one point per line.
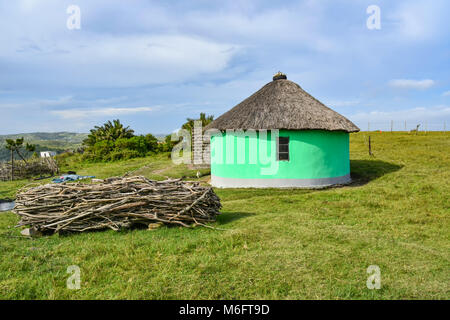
31	168
115	203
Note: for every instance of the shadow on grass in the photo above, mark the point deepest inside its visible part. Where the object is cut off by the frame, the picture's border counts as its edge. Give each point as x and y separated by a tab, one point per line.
227	217
364	171
3	200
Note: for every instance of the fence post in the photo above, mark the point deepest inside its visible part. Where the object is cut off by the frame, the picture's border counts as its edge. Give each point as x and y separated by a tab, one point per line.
392	125
12	165
405	125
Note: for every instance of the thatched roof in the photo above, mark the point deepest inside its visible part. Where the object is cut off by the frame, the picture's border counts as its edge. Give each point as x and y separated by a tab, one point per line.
282	104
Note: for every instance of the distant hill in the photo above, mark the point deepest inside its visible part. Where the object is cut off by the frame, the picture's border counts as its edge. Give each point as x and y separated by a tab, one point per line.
53	141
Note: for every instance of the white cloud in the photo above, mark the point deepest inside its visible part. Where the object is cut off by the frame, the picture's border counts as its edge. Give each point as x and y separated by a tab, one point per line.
120	61
420	19
27	5
298	25
100	112
62	102
145	44
117	46
434	117
411	84
446	94
37	103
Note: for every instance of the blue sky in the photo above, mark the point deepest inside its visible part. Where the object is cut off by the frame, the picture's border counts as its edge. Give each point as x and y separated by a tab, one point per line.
154	63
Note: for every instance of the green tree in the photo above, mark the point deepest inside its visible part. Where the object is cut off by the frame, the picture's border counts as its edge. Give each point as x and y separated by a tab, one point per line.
14	146
189	125
167	145
152	142
110	131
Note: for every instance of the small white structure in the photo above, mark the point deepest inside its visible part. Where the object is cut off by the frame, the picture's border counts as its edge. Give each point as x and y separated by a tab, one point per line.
48	154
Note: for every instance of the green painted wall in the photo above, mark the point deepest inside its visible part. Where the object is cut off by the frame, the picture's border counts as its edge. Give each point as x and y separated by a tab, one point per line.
313	154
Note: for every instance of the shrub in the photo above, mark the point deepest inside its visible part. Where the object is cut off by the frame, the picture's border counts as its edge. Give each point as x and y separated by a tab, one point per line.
113	142
123	154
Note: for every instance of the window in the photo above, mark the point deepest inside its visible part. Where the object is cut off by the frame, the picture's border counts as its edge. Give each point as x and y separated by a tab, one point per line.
283	149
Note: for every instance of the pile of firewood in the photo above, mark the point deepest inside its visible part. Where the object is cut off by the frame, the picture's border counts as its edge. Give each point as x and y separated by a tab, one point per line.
25	170
115	203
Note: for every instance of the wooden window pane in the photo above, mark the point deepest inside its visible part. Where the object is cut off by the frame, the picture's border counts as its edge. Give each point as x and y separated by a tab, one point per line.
283	156
283	140
283	149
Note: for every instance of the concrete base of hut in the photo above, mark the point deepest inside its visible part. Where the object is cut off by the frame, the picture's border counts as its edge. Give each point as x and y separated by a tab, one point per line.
221	182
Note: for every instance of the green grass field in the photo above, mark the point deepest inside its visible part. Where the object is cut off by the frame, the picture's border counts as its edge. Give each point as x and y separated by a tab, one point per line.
278	244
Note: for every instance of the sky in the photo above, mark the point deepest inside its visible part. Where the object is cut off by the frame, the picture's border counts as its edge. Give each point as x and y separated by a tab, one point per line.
152	64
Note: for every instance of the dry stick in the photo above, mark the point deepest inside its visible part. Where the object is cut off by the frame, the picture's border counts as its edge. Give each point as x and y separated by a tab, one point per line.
189	207
116	203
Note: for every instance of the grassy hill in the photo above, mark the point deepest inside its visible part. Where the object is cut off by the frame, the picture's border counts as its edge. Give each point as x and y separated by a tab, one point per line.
277	244
55	141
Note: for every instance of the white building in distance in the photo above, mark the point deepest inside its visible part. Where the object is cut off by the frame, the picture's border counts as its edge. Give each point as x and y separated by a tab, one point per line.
48	154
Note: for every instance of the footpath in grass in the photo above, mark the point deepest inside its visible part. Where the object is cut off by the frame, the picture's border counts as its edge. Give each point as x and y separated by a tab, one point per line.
278	244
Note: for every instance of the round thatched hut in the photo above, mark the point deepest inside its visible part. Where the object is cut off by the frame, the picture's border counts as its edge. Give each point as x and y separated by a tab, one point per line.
280	136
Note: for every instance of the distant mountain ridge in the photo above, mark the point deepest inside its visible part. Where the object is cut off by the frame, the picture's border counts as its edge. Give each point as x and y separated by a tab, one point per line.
70	137
53	141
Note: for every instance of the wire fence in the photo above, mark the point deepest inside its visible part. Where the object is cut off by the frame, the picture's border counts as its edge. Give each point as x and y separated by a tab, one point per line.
403	126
